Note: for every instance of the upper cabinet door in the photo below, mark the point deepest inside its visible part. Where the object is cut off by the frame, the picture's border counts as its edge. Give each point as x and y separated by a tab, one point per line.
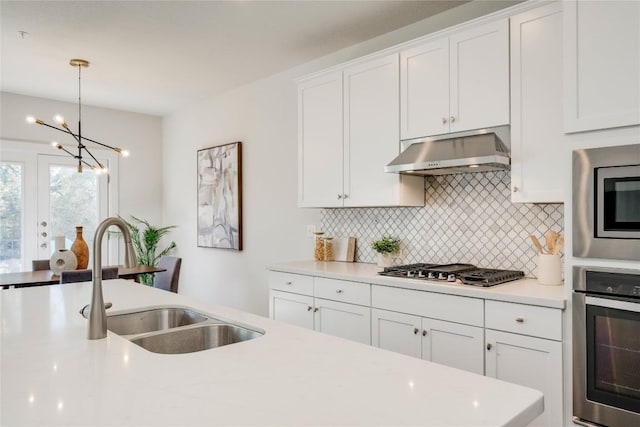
320	141
424	89
479	82
538	144
371	131
602	68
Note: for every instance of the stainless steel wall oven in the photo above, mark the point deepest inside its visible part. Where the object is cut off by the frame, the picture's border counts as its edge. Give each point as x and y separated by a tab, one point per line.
606	346
606	202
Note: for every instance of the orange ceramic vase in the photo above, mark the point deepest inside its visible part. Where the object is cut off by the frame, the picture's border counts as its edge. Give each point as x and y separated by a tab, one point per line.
81	250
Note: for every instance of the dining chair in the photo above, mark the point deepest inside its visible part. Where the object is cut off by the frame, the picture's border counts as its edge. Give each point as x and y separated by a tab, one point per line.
168	280
40	264
72	276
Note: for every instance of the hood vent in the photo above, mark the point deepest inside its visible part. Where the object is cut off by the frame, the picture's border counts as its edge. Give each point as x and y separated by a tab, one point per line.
481	150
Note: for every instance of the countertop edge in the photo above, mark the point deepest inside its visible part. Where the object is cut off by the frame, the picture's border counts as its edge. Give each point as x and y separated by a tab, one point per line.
524	291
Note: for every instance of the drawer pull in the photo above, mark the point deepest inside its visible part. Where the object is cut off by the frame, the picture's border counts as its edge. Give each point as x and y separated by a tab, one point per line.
309	308
520	319
489	346
339	291
424	333
315	310
288	283
416	330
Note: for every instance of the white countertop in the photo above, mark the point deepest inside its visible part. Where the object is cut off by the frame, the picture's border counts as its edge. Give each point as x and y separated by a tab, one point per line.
524	291
53	375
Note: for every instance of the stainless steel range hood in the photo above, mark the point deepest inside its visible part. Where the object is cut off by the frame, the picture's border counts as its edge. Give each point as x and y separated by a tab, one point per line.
481	150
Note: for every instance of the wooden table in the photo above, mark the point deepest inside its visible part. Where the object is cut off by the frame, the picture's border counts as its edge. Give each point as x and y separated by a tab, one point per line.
46	277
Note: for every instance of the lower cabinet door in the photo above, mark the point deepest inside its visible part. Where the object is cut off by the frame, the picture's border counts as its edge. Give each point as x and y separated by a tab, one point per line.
349	321
397	332
530	362
291	308
453	344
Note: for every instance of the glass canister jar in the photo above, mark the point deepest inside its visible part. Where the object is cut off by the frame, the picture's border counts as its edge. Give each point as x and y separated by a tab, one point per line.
328	248
319	247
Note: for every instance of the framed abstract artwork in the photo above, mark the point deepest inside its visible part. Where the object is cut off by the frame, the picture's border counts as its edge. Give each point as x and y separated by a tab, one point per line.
220	196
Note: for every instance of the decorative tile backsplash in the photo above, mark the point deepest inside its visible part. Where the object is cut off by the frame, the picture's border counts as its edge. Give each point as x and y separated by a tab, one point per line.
468	218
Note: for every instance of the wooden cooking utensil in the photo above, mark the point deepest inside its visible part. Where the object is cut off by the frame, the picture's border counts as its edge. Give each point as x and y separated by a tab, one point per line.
537	244
559	245
550	238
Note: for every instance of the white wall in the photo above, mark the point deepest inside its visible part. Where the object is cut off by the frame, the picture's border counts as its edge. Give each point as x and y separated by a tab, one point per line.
263	115
140	175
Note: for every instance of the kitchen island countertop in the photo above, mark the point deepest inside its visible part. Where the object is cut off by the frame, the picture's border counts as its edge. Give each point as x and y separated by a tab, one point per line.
53	375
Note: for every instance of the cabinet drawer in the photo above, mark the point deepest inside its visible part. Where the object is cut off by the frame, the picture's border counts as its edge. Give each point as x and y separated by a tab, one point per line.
289	282
543	322
342	290
469	311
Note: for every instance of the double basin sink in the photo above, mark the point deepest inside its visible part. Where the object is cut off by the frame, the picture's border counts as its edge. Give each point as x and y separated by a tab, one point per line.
176	330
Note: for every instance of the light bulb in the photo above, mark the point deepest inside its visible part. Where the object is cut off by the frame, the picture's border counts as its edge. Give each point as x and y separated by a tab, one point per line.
54	144
31	119
125	153
59	119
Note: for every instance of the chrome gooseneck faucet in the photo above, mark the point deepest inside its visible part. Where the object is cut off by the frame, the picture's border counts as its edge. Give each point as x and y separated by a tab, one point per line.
97	314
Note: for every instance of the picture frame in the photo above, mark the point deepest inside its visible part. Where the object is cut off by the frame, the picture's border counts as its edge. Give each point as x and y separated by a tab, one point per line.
219	189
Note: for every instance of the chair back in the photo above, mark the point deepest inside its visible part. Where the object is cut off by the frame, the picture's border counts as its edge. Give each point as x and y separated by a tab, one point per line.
40	264
168	280
72	276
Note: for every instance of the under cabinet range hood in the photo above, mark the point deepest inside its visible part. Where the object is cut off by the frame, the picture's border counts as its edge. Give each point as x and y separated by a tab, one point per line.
481	150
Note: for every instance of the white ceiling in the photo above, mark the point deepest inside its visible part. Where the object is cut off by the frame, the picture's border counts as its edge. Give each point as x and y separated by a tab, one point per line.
156	56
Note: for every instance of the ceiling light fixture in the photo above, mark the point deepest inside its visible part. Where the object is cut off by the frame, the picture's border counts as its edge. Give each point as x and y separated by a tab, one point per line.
98	168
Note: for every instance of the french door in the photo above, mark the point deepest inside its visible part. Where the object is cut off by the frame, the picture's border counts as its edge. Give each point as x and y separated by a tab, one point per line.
43	197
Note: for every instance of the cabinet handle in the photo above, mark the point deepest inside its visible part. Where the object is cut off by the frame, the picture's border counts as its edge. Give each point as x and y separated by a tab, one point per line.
309	308
424	333
452	119
416	330
288	283
315	310
339	291
339	196
515	189
489	346
444	120
43	223
344	196
43	234
520	319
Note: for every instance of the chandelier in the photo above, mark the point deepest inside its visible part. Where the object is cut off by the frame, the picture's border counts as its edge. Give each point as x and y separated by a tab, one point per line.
89	159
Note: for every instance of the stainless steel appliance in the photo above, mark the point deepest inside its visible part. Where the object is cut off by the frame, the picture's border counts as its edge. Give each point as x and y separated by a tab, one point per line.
460	273
478	150
606	202
606	346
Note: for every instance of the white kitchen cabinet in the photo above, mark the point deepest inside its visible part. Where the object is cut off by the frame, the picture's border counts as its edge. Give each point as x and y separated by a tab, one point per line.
349	321
348	131
537	133
602	64
524	346
456	83
292	299
320	145
451	344
291	308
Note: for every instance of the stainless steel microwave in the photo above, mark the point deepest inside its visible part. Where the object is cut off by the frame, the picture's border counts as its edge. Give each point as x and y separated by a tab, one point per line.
606	202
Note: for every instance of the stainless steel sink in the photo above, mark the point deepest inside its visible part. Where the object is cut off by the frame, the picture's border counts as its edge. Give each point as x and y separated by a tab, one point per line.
175	330
156	319
195	338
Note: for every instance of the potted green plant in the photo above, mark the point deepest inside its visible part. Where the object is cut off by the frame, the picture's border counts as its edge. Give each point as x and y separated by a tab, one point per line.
386	247
146	238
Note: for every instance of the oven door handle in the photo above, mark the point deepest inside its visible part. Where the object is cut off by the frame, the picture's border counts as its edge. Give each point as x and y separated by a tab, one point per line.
612	303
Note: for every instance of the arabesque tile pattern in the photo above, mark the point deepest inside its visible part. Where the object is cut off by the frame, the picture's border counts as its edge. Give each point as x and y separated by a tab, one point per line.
467	218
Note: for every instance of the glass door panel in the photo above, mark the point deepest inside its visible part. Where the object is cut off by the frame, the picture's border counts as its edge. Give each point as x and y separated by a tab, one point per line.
11	216
67	199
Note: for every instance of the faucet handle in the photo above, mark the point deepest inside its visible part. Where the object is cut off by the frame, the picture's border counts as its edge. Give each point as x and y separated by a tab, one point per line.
87	308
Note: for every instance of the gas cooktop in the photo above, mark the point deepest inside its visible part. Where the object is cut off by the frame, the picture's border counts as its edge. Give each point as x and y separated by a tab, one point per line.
462	273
